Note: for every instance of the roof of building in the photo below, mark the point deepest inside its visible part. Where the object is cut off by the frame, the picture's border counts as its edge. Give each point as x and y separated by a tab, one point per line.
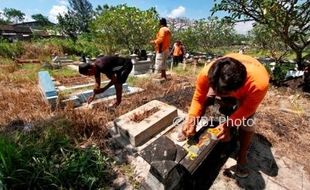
15	29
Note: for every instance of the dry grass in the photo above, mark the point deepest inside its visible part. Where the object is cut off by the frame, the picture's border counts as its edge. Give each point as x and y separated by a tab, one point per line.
39	51
289	133
138	117
284	119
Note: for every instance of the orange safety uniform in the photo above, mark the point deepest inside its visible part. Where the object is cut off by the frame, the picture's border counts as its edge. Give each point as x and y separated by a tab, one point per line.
177	50
162	41
249	95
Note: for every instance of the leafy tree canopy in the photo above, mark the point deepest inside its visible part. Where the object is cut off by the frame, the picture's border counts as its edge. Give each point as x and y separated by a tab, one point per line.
78	18
43	20
13	15
124	27
289	19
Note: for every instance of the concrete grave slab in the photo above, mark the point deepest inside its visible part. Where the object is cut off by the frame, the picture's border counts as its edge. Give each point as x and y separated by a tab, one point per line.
99	101
83	96
142	131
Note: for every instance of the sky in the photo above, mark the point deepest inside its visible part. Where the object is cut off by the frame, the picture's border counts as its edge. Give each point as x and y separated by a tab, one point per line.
193	9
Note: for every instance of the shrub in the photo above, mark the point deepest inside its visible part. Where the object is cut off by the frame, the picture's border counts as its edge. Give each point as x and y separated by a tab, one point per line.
47	158
10	50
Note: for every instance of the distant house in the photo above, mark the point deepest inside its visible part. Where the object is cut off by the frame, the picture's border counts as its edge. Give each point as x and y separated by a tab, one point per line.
24	31
35	25
13	33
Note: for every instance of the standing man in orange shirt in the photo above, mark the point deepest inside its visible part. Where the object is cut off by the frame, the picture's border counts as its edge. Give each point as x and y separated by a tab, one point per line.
239	83
177	53
162	43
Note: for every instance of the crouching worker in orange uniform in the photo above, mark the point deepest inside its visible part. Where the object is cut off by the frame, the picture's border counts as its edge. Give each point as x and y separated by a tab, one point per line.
239	83
115	68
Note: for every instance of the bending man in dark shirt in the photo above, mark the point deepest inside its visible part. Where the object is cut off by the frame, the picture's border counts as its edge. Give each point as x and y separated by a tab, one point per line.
115	68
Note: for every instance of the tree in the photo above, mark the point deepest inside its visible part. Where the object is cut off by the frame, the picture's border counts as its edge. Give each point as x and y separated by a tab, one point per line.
13	15
78	18
68	25
43	20
204	34
126	27
266	39
288	19
177	26
100	9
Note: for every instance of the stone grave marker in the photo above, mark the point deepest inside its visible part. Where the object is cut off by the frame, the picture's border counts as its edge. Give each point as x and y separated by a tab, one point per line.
138	132
47	87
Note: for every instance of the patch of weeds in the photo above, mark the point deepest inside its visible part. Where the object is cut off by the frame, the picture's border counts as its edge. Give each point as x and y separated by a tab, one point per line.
6	61
189	70
48	158
63	72
128	171
132	80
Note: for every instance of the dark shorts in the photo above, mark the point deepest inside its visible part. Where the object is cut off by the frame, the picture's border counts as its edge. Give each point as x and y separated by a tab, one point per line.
124	73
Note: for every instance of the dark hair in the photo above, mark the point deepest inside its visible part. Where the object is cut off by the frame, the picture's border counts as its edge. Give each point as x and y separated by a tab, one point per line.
226	75
84	67
163	22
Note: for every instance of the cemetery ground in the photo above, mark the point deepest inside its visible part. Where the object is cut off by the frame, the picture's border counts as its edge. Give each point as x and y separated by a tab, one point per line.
69	148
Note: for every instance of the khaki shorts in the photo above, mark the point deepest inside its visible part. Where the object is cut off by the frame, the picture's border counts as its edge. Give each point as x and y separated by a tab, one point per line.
160	60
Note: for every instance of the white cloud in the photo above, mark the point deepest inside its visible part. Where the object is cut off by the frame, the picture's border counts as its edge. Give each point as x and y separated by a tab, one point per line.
244	27
177	12
63	2
28	18
56	10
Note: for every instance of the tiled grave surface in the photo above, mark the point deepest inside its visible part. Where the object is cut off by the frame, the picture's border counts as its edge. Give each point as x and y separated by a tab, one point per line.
47	87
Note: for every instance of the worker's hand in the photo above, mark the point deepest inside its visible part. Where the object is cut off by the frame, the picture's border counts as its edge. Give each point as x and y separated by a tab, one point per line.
189	128
224	134
152	42
91	98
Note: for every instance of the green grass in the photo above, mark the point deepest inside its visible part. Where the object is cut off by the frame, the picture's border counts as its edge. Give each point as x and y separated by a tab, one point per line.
9	50
28	72
49	158
63	72
132	80
188	71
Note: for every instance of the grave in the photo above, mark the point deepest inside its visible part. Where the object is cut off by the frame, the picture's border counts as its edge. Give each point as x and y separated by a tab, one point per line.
141	66
47	88
77	94
154	139
61	61
138	130
79	97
